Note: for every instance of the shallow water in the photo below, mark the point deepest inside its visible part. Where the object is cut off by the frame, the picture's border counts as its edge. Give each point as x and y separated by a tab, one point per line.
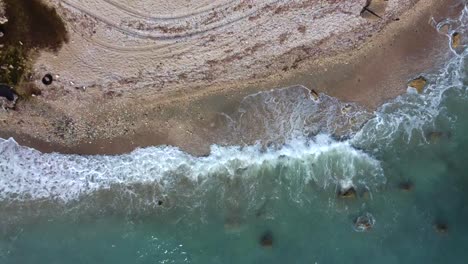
160	205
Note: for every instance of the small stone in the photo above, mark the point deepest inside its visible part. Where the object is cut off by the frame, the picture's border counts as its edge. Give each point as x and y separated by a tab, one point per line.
47	79
364	222
456	40
266	240
418	84
160	202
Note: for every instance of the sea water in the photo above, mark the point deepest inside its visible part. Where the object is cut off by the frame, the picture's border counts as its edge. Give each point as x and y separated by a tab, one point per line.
262	203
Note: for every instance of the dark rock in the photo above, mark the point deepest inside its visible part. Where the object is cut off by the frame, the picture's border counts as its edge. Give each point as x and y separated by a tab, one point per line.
266	240
160	202
47	79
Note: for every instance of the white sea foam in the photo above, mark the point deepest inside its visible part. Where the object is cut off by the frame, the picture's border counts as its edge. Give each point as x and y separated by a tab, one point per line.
283	114
29	174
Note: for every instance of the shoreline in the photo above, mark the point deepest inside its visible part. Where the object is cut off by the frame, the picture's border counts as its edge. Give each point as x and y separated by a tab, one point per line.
191	121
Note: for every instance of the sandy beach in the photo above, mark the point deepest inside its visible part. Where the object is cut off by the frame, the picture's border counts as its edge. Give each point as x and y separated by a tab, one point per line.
127	79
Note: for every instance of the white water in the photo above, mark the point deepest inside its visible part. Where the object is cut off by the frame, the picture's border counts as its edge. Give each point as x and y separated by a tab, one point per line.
29	174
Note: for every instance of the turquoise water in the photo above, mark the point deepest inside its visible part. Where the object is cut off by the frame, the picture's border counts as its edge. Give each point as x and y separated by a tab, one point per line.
408	165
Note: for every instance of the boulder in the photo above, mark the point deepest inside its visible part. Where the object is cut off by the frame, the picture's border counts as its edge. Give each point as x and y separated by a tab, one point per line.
418	84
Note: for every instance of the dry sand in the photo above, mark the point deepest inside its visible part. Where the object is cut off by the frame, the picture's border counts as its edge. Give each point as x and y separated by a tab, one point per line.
138	74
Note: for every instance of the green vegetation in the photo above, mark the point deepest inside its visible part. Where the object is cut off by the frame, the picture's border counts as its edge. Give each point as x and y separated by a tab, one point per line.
13	62
31	26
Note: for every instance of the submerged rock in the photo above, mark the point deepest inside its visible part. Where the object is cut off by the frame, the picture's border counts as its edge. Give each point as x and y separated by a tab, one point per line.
364	222
347	192
418	84
266	240
456	40
435	136
441	228
406	186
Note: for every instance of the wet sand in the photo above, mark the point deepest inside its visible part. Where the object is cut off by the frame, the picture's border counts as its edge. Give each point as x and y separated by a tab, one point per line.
116	122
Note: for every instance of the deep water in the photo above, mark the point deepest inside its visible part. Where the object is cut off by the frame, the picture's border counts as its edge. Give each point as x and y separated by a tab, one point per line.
408	166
